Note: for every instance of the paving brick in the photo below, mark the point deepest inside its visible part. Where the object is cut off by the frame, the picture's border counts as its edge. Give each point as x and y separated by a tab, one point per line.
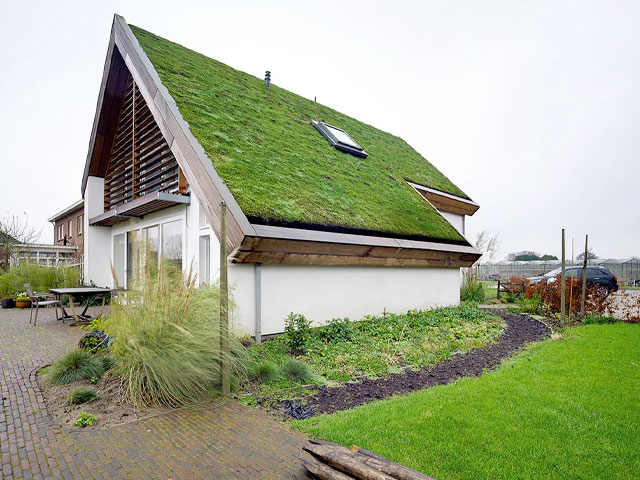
225	440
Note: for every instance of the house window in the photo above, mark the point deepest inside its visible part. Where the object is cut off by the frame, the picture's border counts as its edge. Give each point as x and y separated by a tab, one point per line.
118	259
79	224
340	139
60	233
204	260
203	220
172	243
70	228
151	238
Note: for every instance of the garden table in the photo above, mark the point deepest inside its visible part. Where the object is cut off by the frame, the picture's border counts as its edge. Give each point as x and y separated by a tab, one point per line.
82	292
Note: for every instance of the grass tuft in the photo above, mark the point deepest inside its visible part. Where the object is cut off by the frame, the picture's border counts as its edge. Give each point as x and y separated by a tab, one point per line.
82	395
296	370
265	371
74	366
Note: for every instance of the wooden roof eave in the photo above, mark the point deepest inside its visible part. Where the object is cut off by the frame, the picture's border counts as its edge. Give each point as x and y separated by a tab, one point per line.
293	246
204	181
446	202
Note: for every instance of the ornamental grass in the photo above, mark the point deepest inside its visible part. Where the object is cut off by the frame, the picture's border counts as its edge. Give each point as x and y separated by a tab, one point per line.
166	339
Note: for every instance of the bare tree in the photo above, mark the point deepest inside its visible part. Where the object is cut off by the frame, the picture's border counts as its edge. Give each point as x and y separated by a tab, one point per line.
489	245
590	255
15	232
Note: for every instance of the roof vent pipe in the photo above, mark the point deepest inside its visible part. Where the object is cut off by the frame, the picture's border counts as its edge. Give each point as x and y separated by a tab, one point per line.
267	79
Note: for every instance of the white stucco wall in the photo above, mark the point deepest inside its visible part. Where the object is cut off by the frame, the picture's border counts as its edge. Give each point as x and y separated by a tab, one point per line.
97	240
325	292
457	220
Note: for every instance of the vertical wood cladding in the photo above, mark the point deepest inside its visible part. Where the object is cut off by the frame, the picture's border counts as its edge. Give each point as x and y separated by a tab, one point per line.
141	161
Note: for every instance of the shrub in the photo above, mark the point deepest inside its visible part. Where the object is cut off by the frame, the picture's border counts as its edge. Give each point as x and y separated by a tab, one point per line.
338	330
598	320
81	395
297	332
74	366
265	371
530	305
471	289
40	278
86	420
296	370
166	342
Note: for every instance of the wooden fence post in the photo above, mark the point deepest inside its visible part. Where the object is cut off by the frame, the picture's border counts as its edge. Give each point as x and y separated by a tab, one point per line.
584	275
563	286
224	303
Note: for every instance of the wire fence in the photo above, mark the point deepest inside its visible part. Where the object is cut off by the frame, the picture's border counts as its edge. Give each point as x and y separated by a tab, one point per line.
627	271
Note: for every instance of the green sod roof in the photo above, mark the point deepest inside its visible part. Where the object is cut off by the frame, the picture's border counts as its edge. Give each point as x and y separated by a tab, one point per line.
281	170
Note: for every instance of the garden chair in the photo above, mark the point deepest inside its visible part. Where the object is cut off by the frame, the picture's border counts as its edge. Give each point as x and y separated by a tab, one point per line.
39	300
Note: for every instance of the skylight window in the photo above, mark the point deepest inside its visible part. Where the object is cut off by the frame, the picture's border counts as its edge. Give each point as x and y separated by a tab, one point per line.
340	139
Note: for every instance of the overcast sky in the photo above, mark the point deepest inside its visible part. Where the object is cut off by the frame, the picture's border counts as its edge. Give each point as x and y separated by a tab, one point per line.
532	108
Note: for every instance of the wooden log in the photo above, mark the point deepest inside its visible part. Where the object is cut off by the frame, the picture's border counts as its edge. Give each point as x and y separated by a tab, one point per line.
346	461
322	471
397	471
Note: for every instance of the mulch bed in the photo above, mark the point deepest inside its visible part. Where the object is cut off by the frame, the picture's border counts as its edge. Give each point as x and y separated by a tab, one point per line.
520	331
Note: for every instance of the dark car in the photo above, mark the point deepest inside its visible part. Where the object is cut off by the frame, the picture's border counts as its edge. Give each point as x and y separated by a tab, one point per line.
595	276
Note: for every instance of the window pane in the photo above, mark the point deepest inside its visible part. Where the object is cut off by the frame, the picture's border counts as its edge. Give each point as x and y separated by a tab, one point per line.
172	243
118	258
341	136
204	221
204	261
133	247
151	236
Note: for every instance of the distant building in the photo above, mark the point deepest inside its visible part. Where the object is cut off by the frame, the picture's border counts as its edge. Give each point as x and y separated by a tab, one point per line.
68	227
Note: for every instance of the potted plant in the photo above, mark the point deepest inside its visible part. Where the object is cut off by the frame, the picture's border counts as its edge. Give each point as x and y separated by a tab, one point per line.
23	300
8	303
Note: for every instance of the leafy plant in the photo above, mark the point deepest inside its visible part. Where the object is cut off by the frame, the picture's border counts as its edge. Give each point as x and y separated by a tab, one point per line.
166	339
94	341
265	371
471	290
338	330
22	297
531	305
297	331
74	366
296	370
79	396
85	420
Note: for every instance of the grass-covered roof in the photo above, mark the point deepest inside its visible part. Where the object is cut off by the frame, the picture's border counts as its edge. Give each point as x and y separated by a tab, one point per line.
280	169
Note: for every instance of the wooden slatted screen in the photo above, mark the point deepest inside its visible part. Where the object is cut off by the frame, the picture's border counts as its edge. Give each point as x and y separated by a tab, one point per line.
141	161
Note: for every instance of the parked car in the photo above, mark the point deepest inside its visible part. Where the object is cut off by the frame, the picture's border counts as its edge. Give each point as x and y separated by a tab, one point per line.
595	276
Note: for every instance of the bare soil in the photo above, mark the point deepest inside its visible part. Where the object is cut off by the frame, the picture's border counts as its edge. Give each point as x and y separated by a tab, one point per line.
520	331
108	407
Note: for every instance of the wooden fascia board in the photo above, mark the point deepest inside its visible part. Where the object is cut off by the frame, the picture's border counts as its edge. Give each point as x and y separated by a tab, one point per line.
281	245
204	181
446	202
269	231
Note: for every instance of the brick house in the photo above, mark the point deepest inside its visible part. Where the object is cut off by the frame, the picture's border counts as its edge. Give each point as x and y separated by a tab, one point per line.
68	227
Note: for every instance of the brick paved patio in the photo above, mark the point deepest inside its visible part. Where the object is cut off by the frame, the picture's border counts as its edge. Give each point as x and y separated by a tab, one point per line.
222	441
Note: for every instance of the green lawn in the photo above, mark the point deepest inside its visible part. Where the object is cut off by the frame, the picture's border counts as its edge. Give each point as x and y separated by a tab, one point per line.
567	408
